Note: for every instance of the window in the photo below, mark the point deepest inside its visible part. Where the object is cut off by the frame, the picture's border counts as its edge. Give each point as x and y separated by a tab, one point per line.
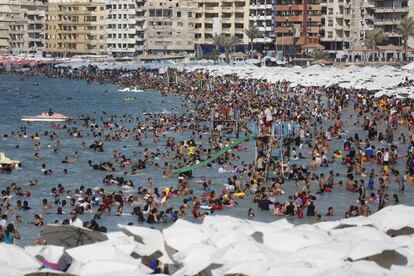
330	11
178	14
330	23
329	34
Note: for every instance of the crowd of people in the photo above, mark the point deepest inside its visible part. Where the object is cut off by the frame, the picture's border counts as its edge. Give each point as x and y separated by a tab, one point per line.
376	155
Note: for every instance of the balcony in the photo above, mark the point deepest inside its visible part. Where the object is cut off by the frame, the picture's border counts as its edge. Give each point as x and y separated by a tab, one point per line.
289	18
387	21
290	7
284	29
391	9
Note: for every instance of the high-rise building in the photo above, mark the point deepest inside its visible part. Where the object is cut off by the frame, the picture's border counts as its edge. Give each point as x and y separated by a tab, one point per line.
121	27
22	26
35	11
140	26
388	16
227	17
332	25
75	27
169	27
13	27
297	26
262	14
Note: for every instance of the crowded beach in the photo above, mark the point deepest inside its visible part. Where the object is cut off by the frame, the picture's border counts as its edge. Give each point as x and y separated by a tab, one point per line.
284	150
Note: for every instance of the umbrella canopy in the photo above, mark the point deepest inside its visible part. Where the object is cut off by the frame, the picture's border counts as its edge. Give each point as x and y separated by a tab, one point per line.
194	259
367	248
152	241
294	239
245	251
51	253
183	234
250	267
108	268
99	251
70	236
365	268
15	257
394	218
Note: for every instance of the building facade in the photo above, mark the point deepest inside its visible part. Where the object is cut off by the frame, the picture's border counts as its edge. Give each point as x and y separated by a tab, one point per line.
388	16
121	27
22	26
169	27
262	14
75	27
297	25
216	17
36	18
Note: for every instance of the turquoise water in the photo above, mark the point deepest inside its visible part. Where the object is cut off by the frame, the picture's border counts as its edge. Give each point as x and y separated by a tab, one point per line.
31	96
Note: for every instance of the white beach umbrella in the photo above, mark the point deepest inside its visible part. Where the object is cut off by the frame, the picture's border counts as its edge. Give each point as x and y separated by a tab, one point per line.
103	268
50	253
15	257
194	259
330	251
99	251
183	234
394	218
249	268
367	248
224	238
403	270
291	268
245	251
359	233
152	239
10	271
365	268
292	240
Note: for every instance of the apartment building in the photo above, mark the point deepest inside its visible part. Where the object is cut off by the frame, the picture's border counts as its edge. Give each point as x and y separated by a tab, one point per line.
35	14
297	26
262	14
333	36
388	16
227	17
75	27
121	27
13	27
22	26
169	27
140	26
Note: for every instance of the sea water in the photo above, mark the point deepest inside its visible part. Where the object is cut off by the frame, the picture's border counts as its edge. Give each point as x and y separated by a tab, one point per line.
27	96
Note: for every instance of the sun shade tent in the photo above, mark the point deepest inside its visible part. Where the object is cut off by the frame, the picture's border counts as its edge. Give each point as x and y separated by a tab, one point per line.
70	236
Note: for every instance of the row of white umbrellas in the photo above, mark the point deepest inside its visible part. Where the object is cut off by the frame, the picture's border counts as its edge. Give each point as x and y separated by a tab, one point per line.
371	78
382	244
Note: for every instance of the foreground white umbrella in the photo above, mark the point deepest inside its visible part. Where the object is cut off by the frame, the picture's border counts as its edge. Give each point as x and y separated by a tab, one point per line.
151	238
292	240
364	268
403	270
249	268
70	236
100	251
15	257
366	248
50	253
108	268
183	234
394	218
194	259
245	251
9	271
